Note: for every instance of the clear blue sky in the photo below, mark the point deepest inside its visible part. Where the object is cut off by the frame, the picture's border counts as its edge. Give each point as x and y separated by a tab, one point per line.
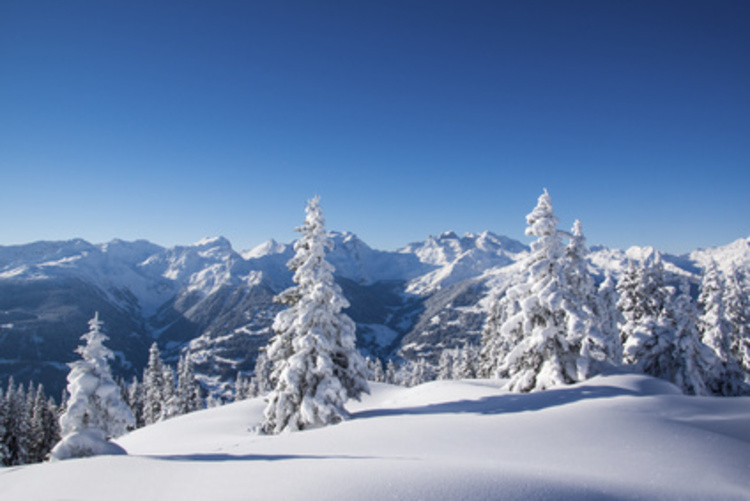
171	121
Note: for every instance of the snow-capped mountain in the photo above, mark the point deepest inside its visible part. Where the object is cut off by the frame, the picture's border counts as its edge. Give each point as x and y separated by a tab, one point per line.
217	303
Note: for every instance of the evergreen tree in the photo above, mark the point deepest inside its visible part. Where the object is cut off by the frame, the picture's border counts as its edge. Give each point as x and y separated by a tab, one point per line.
261	382
95	411
44	429
737	308
187	394
16	425
316	364
545	335
610	316
728	378
155	395
660	329
692	360
36	410
3	422
377	371
171	407
446	364
135	402
242	388
643	296
600	343
51	422
466	366
391	372
496	344
417	372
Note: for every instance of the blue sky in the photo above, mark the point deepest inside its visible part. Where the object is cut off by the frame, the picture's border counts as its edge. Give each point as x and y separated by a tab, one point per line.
171	121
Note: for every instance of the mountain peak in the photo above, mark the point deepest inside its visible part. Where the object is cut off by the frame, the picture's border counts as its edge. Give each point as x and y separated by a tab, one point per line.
265	249
209	242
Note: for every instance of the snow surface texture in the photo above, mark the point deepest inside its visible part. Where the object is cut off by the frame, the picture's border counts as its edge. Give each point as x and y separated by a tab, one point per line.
612	437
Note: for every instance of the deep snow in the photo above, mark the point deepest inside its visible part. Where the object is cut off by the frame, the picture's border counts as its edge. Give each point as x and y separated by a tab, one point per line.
613	437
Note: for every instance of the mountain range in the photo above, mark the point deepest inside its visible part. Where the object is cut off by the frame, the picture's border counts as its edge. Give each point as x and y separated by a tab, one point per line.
216	304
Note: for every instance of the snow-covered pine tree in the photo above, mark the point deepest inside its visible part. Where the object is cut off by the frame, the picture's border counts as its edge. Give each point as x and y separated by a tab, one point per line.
417	372
154	388
38	415
660	329
391	372
737	309
378	373
3	429
692	361
600	345
242	387
629	301
728	379
466	367
16	425
261	383
95	411
543	327
316	364
187	393
643	297
51	422
375	369
135	401
496	344
610	316
446	364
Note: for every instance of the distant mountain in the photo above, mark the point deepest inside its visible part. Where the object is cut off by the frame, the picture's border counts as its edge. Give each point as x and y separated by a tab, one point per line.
217	304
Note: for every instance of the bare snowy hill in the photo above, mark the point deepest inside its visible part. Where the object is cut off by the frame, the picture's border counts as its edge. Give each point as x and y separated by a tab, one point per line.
612	437
218	303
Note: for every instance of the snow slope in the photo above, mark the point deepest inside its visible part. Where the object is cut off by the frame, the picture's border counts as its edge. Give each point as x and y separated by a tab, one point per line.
613	437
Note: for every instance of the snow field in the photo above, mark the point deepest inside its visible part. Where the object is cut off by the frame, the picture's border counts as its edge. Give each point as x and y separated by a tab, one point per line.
612	437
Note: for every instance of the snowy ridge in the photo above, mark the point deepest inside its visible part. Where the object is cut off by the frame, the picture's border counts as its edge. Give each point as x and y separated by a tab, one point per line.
612	437
460	258
734	255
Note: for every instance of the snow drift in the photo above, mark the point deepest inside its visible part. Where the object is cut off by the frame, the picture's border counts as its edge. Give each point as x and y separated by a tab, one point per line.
612	437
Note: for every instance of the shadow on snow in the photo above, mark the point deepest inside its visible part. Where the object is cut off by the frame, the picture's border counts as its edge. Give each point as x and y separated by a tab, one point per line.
210	457
506	403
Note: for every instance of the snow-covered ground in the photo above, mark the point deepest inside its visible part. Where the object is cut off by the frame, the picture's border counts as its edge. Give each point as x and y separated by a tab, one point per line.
613	437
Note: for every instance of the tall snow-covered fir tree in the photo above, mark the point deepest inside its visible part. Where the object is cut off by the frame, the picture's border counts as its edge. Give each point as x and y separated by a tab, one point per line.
3	429
496	344
187	394
692	361
715	332
737	311
95	410
14	441
544	334
643	299
261	382
600	343
317	367
660	333
154	388
611	318
643	296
